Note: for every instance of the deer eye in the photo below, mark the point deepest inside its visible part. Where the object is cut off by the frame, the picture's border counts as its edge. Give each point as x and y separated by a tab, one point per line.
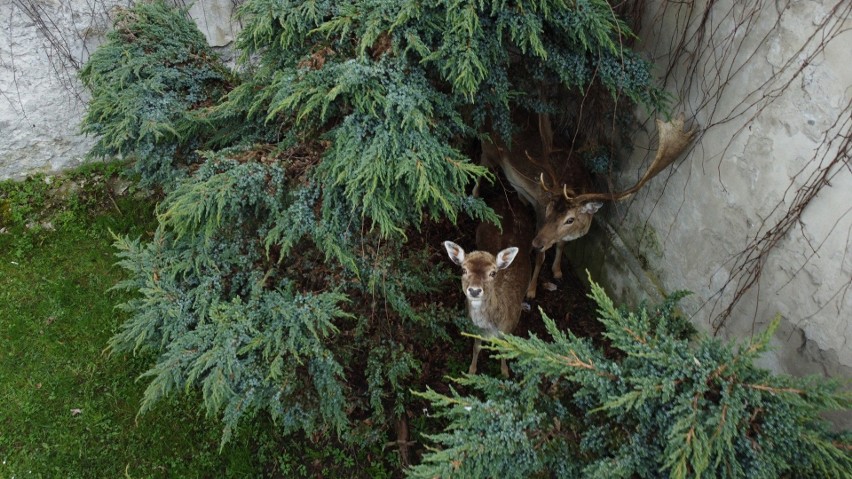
492	274
569	221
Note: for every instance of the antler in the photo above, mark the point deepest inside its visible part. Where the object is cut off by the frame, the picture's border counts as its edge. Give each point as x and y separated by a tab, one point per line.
565	190
673	140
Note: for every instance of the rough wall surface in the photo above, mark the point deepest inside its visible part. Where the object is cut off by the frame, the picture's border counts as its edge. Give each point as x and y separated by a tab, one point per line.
770	84
42	44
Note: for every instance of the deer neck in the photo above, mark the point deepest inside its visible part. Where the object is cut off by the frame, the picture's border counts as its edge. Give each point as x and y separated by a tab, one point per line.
528	189
480	313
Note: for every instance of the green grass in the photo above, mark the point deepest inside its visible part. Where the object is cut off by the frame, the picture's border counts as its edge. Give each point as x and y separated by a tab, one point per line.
68	408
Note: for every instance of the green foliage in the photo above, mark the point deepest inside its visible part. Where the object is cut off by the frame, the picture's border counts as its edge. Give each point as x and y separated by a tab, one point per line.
287	277
301	458
146	80
21	202
219	302
657	405
55	317
394	85
32	209
243	335
389	363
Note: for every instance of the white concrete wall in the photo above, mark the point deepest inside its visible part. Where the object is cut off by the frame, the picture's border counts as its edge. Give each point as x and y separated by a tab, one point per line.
41	99
765	130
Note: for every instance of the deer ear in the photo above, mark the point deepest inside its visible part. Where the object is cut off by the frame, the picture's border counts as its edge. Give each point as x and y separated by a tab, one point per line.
505	257
455	252
591	207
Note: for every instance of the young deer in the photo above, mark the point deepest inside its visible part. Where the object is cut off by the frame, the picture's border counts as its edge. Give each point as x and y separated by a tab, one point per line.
493	282
567	215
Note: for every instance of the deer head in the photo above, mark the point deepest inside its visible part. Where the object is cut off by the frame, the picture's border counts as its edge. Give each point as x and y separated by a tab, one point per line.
564	222
563	214
568	216
479	270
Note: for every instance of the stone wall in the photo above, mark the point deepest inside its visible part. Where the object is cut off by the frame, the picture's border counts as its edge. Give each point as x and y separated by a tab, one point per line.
770	84
42	44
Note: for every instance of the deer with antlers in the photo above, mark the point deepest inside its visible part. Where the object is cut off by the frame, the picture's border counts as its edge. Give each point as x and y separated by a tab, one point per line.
564	209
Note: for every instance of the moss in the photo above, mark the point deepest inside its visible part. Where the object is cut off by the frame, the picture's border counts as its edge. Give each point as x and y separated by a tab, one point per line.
647	240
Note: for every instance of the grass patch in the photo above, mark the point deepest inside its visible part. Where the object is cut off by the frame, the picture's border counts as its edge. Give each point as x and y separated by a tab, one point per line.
69	409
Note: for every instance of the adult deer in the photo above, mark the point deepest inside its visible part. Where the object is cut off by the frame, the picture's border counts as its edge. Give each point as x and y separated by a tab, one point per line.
564	210
494	283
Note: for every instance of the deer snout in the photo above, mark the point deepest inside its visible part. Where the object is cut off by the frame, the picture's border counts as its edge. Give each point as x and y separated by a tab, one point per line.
474	292
540	244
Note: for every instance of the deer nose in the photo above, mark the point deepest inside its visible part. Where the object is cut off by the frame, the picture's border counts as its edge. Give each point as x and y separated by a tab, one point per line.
474	292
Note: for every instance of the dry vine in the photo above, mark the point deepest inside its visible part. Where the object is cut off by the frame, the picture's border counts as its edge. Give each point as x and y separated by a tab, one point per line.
833	157
61	49
715	45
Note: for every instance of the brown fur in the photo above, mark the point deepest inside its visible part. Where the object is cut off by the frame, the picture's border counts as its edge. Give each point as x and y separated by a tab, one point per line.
494	291
564	213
